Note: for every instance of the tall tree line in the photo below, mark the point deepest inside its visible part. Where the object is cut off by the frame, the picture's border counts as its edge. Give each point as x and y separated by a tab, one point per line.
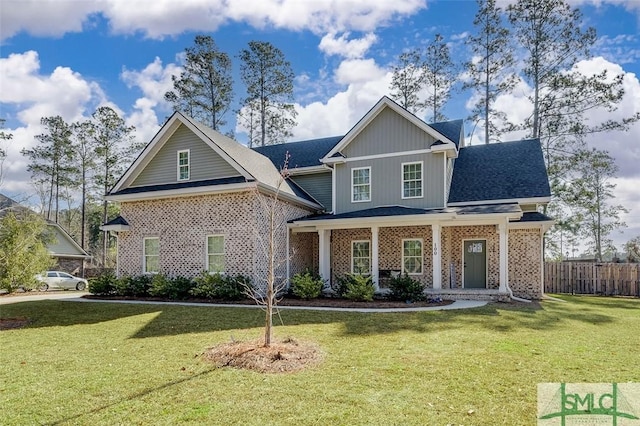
85	157
204	89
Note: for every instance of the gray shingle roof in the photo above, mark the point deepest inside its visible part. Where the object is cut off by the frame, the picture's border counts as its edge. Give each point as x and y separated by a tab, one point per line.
501	171
411	211
302	153
180	185
451	129
533	217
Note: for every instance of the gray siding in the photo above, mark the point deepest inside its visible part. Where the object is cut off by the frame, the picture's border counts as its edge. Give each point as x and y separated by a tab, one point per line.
450	163
386	182
318	185
62	245
388	132
205	163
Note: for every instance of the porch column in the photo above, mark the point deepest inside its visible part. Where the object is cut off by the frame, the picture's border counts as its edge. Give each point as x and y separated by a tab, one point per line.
504	256
437	262
374	257
324	255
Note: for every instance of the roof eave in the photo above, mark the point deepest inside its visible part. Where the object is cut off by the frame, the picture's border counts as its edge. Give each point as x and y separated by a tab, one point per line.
182	192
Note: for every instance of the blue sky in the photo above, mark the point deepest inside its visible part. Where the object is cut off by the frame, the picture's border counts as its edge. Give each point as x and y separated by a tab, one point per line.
67	57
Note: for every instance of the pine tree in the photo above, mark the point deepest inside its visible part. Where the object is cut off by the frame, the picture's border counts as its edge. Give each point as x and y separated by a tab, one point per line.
82	139
408	80
114	149
439	75
4	136
490	71
204	89
51	160
267	109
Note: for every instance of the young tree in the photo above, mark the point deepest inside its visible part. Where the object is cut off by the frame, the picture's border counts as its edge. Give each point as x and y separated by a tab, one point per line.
114	149
490	70
408	80
439	75
204	88
590	195
52	159
268	77
4	136
23	250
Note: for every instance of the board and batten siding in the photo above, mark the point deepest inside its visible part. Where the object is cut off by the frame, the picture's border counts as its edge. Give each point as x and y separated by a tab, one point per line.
388	132
386	182
318	185
204	162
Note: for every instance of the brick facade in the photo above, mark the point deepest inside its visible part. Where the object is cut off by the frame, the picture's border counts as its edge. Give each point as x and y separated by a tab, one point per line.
525	263
183	224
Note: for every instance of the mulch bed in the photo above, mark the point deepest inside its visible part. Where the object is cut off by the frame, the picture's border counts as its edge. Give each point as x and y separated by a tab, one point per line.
328	302
12	323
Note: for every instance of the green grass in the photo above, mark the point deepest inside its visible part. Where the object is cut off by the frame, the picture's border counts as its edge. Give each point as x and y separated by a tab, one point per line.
106	364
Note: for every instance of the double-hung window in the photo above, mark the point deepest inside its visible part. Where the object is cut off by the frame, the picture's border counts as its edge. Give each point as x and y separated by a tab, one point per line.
151	255
412	257
361	257
412	180
215	254
183	165
360	184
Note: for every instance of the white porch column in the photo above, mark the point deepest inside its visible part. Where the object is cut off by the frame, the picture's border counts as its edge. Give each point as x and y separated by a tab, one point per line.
374	257
437	262
324	255
504	256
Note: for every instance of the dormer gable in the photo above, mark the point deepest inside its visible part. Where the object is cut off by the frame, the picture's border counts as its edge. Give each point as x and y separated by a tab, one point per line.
389	128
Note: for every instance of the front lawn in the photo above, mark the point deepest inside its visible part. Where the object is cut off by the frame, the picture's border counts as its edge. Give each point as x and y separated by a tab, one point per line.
108	363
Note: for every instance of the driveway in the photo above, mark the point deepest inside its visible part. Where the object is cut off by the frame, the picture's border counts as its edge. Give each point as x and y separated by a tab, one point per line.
30	297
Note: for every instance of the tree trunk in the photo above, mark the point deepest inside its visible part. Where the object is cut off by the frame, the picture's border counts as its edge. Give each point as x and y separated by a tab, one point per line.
268	328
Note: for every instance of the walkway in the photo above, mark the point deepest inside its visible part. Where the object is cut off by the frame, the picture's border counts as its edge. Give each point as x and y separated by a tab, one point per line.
74	296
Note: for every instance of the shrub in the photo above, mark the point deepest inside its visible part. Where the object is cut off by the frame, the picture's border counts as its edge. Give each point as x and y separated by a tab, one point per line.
356	287
405	288
104	284
134	286
171	288
216	286
306	285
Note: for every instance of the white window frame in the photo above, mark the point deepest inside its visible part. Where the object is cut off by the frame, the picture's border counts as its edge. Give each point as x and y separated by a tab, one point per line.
404	271
421	180
353	170
207	265
145	256
353	258
188	165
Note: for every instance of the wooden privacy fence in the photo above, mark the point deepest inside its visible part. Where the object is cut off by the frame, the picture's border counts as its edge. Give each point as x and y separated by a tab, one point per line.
617	279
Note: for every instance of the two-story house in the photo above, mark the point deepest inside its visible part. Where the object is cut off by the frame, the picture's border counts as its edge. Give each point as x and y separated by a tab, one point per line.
394	195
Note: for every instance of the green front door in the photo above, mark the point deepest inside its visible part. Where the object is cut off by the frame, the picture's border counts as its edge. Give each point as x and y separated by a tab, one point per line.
475	264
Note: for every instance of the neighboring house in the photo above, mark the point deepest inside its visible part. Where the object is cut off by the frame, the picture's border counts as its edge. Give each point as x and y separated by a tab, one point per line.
68	255
394	195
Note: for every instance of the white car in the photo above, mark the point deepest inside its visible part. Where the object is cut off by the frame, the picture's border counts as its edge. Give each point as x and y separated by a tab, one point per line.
59	279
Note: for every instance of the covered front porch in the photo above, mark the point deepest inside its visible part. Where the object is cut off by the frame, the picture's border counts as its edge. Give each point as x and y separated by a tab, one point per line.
460	252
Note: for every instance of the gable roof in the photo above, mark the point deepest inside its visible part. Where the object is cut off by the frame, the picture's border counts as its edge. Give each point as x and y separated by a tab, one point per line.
499	172
251	165
451	129
305	153
65	246
383	103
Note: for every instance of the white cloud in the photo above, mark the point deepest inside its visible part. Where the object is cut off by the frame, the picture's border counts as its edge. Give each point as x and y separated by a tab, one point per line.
44	17
342	46
33	95
154	81
358	71
160	18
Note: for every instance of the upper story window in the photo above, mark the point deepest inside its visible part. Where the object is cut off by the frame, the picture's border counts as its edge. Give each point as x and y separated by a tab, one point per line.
360	184
183	165
215	253
412	180
151	255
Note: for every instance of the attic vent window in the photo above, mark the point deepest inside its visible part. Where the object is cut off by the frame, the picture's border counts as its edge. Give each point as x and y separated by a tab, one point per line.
183	165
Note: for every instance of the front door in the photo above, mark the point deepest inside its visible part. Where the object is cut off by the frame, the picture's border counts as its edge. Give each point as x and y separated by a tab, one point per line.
475	264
